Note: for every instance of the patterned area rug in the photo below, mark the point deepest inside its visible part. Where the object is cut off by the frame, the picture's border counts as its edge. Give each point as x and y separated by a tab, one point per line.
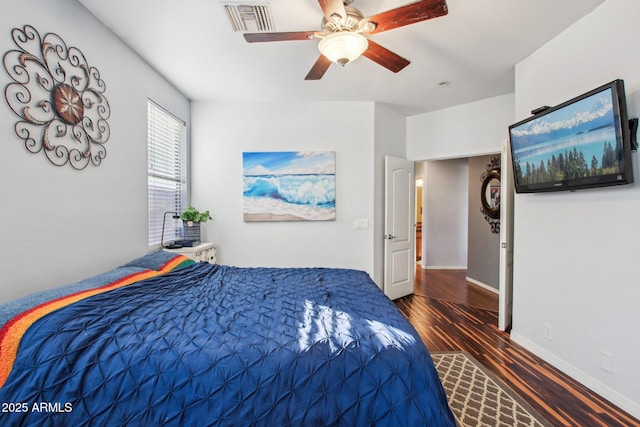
478	398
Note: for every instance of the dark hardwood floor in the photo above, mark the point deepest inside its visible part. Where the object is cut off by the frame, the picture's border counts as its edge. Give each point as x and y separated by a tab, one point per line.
451	314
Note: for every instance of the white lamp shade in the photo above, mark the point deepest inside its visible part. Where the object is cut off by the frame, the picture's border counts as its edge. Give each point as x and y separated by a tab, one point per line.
343	47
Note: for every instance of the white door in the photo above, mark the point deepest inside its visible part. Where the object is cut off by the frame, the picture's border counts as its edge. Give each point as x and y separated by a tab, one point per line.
399	228
506	240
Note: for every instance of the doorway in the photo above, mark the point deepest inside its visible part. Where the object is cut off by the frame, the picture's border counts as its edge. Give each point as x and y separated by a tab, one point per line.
454	231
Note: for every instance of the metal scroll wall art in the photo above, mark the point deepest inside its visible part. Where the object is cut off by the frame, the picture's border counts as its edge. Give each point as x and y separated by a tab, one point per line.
59	98
490	194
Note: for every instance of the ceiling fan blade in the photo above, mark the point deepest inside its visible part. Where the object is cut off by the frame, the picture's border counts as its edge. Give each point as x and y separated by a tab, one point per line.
319	68
331	7
385	57
407	14
279	37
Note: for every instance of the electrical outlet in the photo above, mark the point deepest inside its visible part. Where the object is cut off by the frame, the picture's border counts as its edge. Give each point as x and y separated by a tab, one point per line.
547	331
606	361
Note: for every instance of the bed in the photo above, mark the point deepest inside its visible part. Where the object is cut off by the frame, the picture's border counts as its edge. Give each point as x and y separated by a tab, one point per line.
164	340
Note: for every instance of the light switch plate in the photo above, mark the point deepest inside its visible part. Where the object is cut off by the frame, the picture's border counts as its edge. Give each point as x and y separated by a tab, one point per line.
362	223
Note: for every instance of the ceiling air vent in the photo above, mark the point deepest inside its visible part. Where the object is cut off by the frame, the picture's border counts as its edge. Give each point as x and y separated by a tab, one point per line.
249	17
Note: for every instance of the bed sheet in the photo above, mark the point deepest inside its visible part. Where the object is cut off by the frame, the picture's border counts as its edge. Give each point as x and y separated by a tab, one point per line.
220	345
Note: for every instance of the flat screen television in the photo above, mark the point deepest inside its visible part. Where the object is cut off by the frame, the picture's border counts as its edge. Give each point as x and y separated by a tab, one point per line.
581	143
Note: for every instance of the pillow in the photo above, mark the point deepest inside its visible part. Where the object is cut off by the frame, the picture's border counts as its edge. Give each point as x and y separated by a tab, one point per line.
151	261
12	308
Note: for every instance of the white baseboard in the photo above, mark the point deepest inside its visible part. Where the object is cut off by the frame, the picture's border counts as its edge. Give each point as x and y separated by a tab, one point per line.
444	267
482	285
603	390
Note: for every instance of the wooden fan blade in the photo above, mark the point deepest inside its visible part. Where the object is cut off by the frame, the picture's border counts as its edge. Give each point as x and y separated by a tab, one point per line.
332	7
385	57
319	68
279	37
407	14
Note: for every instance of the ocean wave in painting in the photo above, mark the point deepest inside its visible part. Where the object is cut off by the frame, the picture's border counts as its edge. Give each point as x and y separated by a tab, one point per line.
305	196
313	190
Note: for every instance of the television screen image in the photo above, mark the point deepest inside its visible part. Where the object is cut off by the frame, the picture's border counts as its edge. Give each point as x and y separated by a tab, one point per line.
581	143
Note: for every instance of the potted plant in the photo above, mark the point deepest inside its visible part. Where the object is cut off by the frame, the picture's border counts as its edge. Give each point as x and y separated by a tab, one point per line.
191	220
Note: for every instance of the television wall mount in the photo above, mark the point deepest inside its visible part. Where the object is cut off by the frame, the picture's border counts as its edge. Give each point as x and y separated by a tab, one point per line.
540	109
633	133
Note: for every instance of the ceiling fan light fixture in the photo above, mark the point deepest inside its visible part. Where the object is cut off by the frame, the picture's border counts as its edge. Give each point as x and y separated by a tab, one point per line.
343	47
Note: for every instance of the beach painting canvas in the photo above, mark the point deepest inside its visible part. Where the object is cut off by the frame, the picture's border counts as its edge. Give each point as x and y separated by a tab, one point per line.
289	186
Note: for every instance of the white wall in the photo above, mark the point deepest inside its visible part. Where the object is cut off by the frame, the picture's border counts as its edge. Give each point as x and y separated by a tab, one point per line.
445	221
466	130
389	140
576	266
60	225
459	132
223	131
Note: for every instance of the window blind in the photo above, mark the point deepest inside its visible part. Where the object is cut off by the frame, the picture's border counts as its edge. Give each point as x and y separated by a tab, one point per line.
166	171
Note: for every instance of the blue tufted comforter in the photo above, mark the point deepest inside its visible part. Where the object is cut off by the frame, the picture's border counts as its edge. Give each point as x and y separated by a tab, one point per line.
219	345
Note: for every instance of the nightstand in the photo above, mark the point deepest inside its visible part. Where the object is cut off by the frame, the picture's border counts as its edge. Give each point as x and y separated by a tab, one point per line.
204	252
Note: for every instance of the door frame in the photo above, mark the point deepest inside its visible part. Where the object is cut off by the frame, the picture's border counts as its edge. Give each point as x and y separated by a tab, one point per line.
505	287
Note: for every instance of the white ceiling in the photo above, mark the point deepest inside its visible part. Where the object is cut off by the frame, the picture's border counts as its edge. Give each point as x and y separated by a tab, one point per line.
474	48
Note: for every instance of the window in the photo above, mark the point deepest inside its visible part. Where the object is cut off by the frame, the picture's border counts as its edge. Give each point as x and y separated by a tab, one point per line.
166	171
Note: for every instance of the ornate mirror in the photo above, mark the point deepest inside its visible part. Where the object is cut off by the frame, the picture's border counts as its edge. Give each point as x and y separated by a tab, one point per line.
490	194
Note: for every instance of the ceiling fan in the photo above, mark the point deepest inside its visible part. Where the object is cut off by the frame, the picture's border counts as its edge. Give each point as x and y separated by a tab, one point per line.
341	37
